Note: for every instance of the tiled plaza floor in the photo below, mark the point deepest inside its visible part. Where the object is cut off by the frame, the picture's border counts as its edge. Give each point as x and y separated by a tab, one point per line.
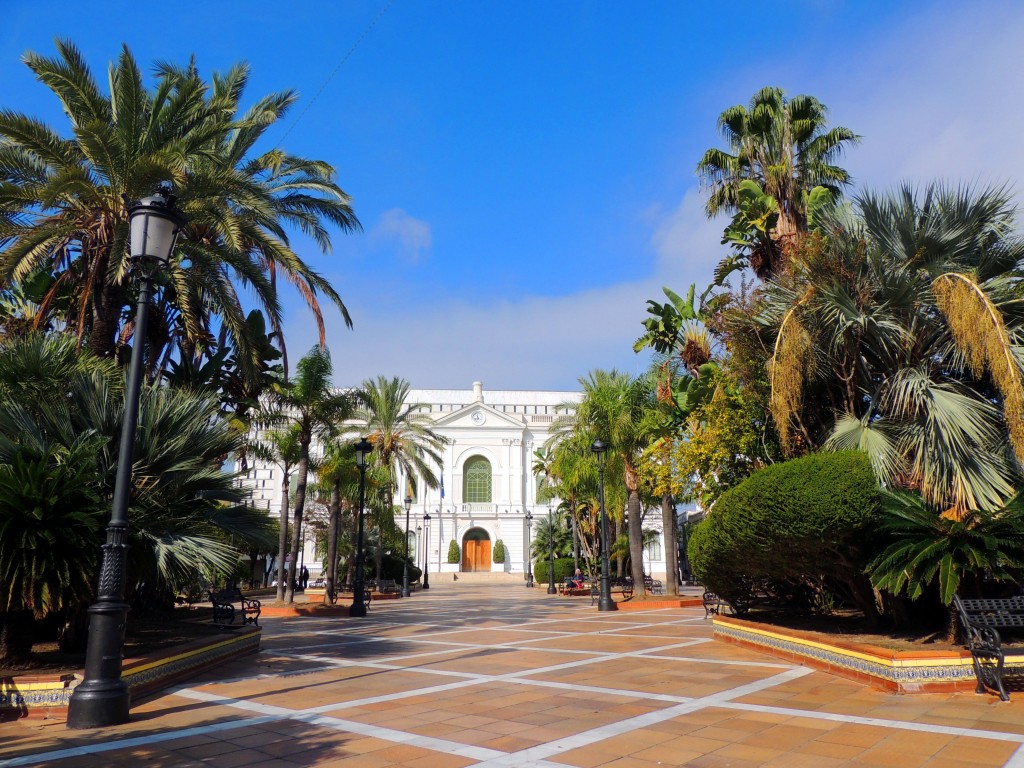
505	677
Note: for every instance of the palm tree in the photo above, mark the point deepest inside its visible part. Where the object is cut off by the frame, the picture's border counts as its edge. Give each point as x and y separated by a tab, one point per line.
903	323
614	408
339	477
63	201
281	447
784	146
316	409
928	548
401	434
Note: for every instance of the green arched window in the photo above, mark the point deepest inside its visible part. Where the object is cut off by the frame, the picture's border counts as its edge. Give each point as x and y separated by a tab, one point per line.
476	480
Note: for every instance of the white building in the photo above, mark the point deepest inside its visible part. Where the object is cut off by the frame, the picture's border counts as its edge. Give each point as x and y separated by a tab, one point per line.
487	476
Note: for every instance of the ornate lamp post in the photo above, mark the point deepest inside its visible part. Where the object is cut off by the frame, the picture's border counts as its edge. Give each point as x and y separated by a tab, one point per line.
102	698
529	554
358	607
551	554
405	560
426	547
605	602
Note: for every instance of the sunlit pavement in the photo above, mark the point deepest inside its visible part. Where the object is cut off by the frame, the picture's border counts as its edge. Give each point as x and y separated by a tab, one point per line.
500	675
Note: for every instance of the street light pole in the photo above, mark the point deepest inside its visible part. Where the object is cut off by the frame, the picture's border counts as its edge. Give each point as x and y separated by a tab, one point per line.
551	554
605	602
529	553
426	547
405	560
358	607
103	698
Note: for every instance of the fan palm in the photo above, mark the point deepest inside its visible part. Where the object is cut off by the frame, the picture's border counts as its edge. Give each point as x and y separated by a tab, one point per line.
904	322
783	145
63	201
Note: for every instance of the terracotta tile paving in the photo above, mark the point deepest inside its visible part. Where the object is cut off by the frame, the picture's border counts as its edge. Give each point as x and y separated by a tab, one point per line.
504	677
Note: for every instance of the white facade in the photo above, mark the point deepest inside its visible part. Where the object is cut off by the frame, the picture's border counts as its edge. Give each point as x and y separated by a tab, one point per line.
502	427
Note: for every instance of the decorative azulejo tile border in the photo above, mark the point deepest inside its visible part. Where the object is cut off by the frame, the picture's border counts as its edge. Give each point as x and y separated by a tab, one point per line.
47	696
902	671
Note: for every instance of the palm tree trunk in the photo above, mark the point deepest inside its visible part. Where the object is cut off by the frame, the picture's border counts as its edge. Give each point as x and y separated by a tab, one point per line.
17	630
668	525
635	531
300	503
282	539
332	540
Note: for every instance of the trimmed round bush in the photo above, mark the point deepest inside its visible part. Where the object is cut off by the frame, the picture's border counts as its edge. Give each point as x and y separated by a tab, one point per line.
563	569
792	527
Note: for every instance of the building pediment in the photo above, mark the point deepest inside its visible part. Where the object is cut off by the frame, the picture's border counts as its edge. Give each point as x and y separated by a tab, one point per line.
480	416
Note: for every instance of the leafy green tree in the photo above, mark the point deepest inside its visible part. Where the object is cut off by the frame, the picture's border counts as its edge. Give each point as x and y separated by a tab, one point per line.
63	209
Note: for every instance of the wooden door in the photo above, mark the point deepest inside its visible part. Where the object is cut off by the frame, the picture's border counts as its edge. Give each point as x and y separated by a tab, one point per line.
476	555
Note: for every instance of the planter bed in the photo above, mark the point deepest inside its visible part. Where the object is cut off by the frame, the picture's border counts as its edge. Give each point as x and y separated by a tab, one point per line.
41	696
902	671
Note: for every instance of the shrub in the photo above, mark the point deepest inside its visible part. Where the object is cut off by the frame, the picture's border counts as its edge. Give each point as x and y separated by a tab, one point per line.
391	568
563	569
454	556
800	527
499	552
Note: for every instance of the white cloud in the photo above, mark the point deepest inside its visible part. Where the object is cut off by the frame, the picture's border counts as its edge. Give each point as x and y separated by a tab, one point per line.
408	236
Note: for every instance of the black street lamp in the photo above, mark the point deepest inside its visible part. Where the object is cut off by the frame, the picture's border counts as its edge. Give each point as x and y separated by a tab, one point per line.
358	607
405	561
419	547
605	602
426	547
529	554
551	554
103	698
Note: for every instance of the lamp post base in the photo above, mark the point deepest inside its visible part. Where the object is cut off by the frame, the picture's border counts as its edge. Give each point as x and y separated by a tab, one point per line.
606	604
357	609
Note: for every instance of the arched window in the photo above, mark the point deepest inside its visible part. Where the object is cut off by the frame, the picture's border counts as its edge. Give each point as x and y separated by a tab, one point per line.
476	480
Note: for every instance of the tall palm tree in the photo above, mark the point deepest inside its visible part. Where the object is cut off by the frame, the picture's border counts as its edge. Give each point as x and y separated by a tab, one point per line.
338	475
401	434
317	410
783	145
614	408
63	201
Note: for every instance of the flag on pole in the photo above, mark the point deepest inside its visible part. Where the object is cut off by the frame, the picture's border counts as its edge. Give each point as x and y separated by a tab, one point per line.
442	487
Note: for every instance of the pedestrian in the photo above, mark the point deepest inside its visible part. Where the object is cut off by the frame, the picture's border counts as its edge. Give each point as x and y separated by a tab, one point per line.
304	577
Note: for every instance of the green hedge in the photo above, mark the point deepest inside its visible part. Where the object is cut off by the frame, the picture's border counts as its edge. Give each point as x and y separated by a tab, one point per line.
563	569
454	556
391	568
498	555
801	526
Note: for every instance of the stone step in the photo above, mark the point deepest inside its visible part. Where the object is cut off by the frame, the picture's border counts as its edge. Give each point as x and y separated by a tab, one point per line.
482	577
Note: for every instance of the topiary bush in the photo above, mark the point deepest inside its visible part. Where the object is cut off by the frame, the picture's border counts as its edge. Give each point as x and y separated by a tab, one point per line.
391	568
798	529
498	555
563	569
454	556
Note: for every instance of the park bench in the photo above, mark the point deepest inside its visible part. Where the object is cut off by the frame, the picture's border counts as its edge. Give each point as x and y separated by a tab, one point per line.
712	604
224	602
623	586
981	620
386	586
653	586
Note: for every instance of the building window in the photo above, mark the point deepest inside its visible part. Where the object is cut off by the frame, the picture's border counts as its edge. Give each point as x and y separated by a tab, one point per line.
653	546
476	480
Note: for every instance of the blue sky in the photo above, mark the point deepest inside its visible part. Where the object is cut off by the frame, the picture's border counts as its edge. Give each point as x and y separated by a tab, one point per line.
524	171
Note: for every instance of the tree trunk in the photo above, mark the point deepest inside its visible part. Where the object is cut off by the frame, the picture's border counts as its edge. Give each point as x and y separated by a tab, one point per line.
107	303
668	524
575	538
635	531
332	540
282	539
300	503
